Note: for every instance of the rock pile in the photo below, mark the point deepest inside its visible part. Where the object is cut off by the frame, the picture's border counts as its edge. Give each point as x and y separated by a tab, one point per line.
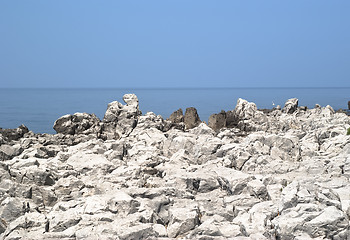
248	175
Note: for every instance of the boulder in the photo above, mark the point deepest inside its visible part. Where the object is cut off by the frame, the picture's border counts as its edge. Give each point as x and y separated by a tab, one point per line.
291	105
191	118
10	209
328	223
348	105
8	152
182	220
78	123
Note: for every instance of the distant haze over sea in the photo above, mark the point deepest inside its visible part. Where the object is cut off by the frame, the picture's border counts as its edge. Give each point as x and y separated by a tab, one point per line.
39	108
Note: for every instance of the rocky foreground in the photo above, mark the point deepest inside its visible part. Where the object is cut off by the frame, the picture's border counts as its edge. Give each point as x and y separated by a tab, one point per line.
282	174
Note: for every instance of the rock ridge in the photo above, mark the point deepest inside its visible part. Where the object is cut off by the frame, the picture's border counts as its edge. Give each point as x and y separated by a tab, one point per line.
247	174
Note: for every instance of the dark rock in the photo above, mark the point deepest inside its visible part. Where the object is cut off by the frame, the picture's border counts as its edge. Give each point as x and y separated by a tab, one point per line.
217	121
46	152
14	134
303	108
291	105
79	123
231	119
341	111
177	116
349	105
109	132
191	118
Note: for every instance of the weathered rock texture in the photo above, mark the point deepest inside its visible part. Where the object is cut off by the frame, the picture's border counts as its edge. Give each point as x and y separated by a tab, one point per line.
191	118
283	174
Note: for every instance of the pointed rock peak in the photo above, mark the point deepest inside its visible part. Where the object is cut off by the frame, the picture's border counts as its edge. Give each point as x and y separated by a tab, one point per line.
177	116
191	118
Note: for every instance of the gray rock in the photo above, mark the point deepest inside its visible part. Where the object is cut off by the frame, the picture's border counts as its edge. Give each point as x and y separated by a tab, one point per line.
262	176
177	116
291	105
78	123
231	119
47	152
182	220
121	119
191	118
10	209
140	231
13	134
329	223
245	110
217	121
8	152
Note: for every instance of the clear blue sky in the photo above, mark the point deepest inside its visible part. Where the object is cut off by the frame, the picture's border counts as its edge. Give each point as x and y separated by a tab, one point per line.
174	43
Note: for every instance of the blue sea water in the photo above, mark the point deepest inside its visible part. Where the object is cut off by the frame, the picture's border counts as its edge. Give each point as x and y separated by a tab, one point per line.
39	108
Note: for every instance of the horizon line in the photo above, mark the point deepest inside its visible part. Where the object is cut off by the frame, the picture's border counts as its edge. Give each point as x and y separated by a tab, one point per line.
161	88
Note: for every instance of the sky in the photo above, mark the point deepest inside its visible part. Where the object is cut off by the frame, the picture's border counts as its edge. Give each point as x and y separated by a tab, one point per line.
174	43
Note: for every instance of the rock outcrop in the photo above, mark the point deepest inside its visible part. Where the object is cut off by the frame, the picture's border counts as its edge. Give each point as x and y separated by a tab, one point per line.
177	116
119	119
191	118
291	105
217	121
78	123
280	174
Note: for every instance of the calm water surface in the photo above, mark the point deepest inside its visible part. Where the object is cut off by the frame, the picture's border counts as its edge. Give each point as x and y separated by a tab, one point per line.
39	108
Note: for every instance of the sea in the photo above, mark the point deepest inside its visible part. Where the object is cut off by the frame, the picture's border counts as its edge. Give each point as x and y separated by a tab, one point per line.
39	108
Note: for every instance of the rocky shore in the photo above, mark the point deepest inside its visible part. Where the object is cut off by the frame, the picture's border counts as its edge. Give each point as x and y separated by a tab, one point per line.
247	174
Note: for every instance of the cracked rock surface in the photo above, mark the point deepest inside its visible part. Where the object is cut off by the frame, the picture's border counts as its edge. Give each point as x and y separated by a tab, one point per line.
283	174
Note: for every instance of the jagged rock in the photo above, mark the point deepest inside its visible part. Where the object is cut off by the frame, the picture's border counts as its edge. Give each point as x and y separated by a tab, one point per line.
244	109
191	118
302	212
231	119
291	105
217	121
13	134
10	209
202	129
121	119
261	175
78	123
182	220
8	152
257	189
47	152
177	116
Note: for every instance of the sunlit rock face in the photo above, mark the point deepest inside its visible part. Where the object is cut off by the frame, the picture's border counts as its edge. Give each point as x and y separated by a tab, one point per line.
248	174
